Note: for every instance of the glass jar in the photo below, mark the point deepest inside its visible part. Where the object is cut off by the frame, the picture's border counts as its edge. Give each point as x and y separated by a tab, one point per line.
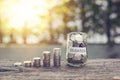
76	53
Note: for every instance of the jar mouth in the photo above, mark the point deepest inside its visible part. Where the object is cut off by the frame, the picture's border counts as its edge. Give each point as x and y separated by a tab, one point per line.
81	33
72	36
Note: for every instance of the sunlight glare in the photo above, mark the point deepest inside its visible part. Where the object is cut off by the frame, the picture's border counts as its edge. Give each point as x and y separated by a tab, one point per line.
23	12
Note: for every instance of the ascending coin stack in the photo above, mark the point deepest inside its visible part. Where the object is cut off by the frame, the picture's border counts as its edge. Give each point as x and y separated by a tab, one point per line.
46	60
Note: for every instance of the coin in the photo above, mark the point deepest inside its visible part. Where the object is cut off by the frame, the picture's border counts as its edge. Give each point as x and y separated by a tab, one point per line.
36	62
17	64
28	63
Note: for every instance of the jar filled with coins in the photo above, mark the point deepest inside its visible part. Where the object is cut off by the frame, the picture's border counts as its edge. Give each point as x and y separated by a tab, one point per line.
76	53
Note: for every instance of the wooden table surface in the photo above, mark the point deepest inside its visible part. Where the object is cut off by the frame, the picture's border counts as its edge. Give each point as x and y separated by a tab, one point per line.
97	69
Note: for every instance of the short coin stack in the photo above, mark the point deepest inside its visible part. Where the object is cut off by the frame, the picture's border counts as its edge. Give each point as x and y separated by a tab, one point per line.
28	63
36	62
17	64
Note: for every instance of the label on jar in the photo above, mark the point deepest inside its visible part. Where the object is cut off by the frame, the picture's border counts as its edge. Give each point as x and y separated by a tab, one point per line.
77	50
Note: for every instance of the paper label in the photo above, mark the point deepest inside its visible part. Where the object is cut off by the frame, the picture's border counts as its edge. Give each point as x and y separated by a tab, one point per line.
77	50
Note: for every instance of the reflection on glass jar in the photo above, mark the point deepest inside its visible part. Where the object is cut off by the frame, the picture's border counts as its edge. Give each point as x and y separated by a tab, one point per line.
76	53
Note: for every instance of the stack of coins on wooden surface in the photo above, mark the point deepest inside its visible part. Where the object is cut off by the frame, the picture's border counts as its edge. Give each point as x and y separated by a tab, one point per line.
46	58
56	57
17	64
36	62
27	63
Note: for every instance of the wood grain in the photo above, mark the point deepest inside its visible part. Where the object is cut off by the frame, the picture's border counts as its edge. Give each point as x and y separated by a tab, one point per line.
97	69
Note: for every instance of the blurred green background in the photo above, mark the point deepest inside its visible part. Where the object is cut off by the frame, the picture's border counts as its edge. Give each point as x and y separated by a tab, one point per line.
27	27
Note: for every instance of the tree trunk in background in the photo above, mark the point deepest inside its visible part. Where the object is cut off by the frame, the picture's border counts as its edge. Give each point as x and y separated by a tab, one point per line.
65	26
25	34
108	22
93	17
11	36
50	28
82	13
24	39
0	37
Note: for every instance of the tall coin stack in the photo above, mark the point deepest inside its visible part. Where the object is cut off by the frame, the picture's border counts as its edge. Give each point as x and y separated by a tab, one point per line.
46	58
36	62
56	57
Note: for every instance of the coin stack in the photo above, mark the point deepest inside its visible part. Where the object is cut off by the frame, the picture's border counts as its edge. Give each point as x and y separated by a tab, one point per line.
56	57
36	62
17	64
46	58
28	63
